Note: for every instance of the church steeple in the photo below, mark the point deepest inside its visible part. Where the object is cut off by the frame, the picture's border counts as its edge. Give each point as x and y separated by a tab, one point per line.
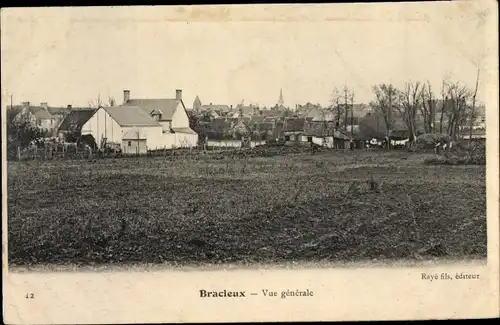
280	101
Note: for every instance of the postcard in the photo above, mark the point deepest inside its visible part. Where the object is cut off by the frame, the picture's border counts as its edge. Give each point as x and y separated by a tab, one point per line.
249	163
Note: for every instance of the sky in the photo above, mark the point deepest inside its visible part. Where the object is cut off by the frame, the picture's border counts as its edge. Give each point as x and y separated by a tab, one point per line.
227	55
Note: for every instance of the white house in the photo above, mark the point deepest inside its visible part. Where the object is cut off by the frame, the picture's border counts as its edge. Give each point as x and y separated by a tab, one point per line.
142	124
172	116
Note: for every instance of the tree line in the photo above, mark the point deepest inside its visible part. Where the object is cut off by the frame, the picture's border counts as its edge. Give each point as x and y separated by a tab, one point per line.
450	111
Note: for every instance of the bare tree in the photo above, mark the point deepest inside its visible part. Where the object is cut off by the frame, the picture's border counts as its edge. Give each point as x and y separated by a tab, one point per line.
336	106
96	103
347	95
111	101
410	99
352	115
444	105
428	107
458	111
385	99
473	108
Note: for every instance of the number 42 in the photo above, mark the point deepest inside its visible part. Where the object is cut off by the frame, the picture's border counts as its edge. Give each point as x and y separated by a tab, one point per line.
30	295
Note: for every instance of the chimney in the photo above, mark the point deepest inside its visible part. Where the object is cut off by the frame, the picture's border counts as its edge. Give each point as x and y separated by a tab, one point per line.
26	104
231	107
210	103
126	96
178	94
44	105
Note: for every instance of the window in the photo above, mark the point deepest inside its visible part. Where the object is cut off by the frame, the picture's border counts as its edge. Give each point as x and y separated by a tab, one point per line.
130	143
287	138
309	139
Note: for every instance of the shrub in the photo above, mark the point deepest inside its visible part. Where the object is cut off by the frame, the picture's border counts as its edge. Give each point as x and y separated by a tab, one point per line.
429	140
476	156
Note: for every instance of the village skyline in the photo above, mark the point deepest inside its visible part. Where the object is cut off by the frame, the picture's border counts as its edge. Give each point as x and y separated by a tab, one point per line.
62	60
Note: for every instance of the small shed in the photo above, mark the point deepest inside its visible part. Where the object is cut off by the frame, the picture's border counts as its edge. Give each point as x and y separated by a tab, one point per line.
134	143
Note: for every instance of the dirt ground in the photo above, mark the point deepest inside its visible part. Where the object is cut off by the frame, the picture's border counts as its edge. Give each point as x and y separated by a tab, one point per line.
300	208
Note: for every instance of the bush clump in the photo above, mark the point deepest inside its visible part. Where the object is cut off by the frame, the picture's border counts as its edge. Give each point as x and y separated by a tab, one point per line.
475	155
429	140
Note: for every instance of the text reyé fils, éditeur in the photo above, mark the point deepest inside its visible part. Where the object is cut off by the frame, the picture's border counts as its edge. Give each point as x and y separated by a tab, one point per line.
448	276
265	292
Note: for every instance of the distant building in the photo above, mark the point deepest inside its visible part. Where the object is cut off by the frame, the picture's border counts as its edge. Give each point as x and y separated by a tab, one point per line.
217	108
197	104
38	116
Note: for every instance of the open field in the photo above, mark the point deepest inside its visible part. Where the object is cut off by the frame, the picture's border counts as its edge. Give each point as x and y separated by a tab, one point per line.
279	209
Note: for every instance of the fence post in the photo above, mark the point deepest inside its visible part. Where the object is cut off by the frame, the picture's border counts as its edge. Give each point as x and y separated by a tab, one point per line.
18	153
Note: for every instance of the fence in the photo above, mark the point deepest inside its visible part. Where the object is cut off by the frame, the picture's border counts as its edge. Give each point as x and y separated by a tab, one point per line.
231	143
48	153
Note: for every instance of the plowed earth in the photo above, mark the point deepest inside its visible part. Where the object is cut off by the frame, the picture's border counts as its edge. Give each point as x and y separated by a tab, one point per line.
244	210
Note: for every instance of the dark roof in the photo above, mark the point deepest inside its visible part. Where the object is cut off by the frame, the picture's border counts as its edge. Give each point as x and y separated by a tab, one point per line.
127	115
166	105
322	129
183	130
270	113
257	118
266	126
293	124
76	117
220	108
247	109
59	110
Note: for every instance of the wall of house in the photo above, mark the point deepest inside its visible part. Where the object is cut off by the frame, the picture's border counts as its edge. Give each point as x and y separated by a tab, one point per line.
329	142
224	143
303	138
134	146
47	124
232	143
102	125
24	116
185	140
166	126
317	140
153	134
180	118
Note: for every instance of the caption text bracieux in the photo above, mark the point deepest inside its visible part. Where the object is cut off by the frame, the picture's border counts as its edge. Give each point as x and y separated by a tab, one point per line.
264	293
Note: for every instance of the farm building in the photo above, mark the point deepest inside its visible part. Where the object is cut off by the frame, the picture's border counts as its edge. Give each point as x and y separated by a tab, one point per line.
110	124
72	124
